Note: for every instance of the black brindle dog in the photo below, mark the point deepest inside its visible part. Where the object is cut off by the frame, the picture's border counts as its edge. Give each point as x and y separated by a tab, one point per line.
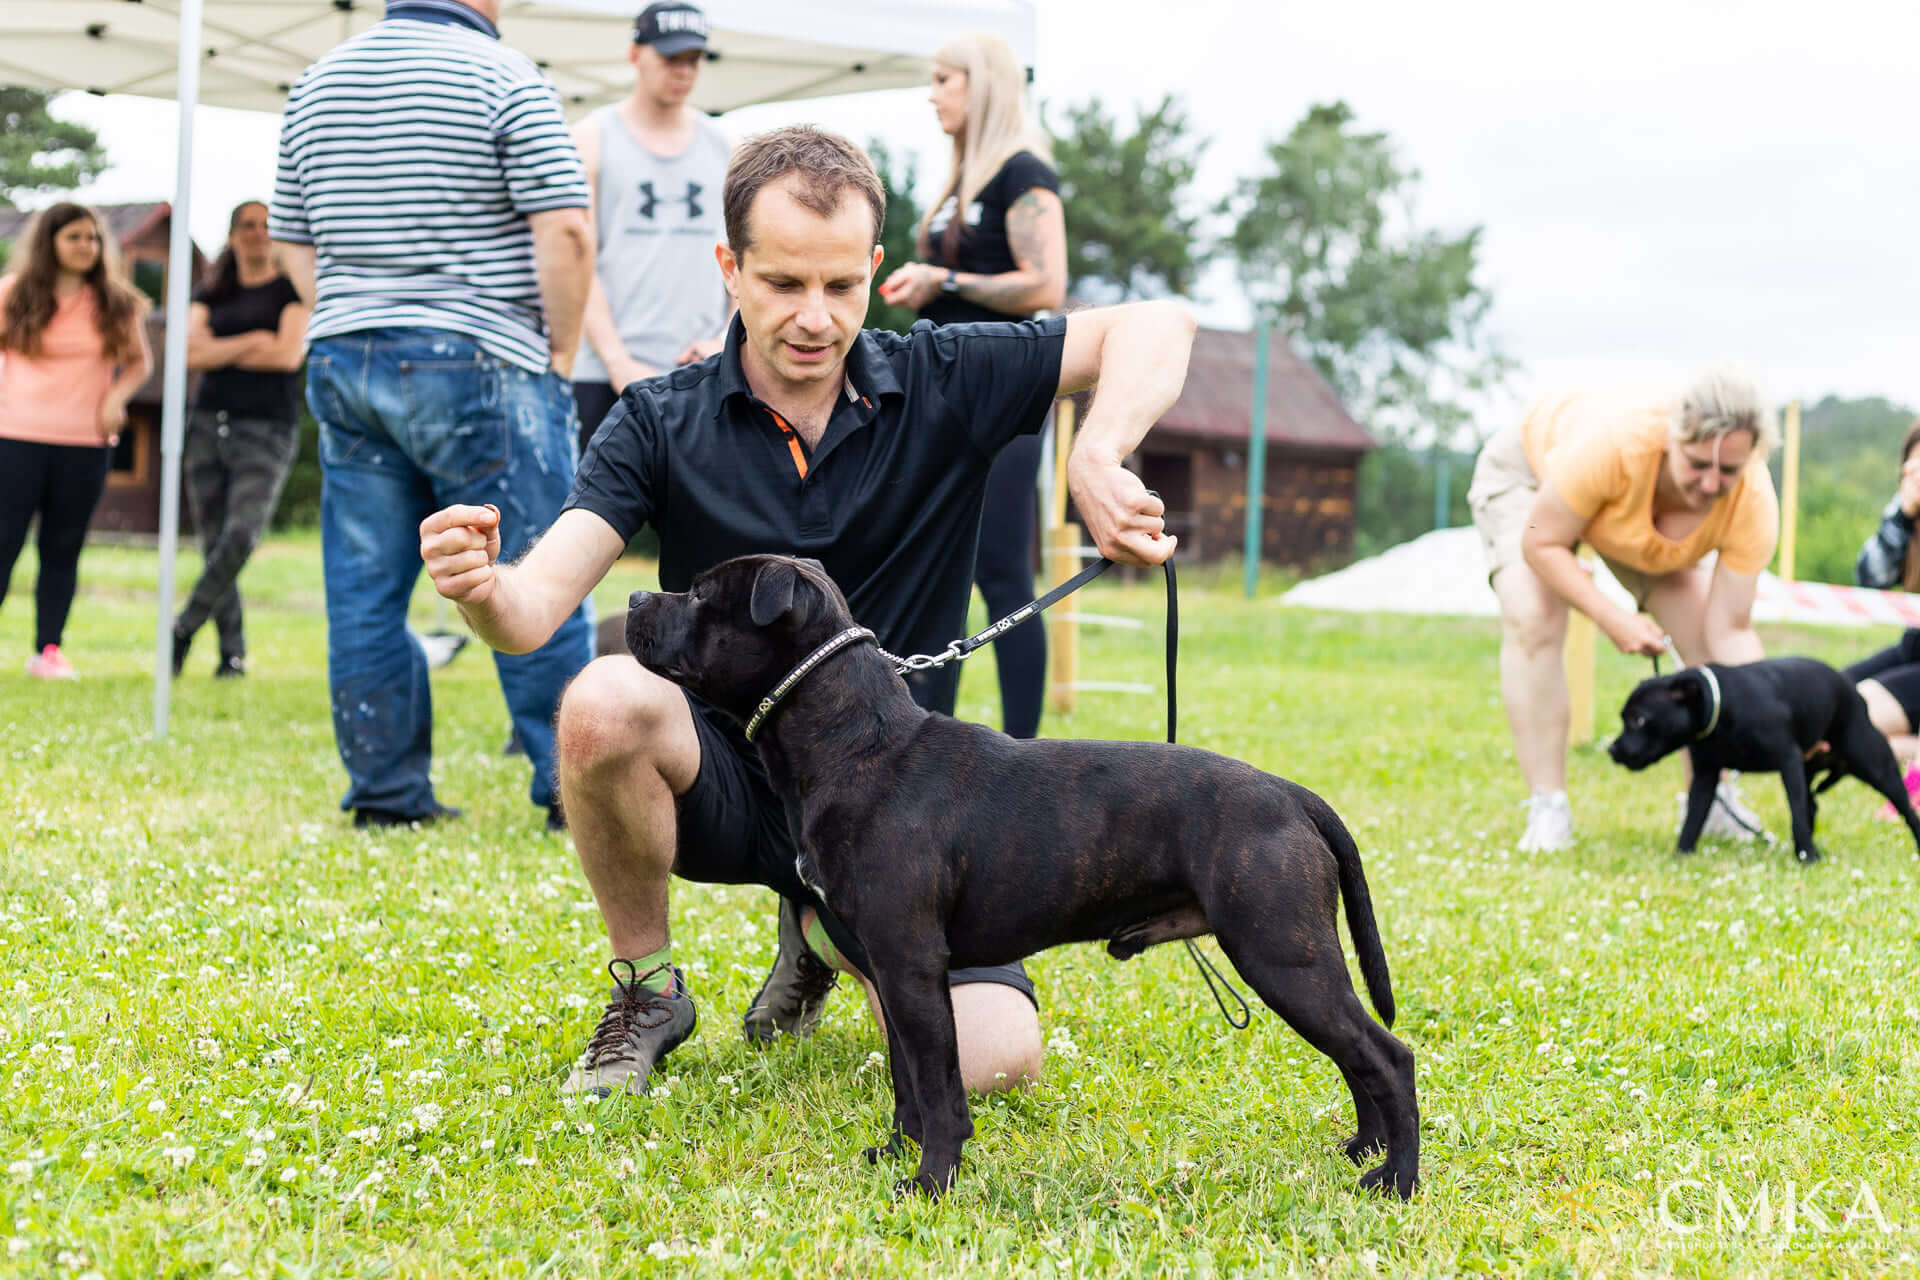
1790	716
943	844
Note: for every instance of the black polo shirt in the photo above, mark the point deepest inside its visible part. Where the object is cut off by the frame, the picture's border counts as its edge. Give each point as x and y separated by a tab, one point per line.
888	501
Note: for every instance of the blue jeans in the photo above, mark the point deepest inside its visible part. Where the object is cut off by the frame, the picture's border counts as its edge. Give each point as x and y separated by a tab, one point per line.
413	420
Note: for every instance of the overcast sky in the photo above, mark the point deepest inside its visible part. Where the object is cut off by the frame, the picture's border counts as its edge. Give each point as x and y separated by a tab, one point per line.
1662	185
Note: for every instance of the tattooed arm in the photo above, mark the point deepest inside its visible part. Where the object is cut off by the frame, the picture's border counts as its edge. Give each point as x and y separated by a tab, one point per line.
1037	235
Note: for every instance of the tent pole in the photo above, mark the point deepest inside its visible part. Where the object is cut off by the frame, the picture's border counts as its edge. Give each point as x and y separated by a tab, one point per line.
174	385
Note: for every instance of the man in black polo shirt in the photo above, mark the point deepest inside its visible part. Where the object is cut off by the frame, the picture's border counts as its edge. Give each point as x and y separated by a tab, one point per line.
807	436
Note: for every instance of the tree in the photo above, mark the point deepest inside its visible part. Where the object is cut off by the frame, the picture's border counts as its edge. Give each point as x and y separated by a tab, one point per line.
896	235
39	153
1124	195
1392	315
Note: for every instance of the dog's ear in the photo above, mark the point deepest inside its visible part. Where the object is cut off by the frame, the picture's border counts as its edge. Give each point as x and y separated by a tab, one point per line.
814	565
1691	693
772	592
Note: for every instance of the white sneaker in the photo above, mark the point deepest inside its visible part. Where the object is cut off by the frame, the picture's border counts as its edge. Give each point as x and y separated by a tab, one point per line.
1549	823
1728	817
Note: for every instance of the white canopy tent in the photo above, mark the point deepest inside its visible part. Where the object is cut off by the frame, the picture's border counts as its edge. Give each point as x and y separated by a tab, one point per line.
251	51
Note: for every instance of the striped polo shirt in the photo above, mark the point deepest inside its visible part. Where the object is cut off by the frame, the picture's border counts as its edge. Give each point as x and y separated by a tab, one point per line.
410	158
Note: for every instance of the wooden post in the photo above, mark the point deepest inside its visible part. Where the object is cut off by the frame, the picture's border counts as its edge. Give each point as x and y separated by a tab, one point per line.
1577	655
1063	561
1790	490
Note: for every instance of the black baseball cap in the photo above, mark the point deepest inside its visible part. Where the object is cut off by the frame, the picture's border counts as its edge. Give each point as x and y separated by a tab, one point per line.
671	28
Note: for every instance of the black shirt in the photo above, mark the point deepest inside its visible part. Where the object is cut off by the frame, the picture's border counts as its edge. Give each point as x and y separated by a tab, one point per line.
250	393
889	500
983	248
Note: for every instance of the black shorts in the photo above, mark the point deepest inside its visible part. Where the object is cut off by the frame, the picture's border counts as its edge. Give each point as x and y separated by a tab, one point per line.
1897	669
734	831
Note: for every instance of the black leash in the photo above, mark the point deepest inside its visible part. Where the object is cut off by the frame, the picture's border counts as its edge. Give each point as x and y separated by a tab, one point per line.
960	650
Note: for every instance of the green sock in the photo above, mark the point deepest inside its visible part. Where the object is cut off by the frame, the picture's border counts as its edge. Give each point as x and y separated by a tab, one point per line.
655	972
819	943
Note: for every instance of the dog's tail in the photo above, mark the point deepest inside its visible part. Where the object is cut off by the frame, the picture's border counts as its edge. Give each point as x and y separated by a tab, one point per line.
1353	888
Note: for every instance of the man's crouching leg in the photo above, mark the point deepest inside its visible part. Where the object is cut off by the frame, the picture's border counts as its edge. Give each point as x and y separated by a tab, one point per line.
997	1026
627	747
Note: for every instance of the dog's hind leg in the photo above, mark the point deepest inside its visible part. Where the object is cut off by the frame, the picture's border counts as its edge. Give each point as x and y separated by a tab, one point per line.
1793	776
1371	1137
1317	1000
1871	759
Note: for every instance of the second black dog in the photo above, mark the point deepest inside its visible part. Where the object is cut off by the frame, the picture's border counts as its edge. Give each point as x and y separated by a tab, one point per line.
942	844
1761	717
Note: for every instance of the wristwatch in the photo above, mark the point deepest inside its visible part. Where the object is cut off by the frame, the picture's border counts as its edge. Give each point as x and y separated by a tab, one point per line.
950	285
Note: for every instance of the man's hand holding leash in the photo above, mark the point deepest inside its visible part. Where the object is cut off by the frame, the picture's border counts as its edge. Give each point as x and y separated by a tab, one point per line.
1122	517
1138	354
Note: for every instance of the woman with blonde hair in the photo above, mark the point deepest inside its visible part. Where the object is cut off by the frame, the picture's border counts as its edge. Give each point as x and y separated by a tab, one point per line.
1653	484
73	350
994	248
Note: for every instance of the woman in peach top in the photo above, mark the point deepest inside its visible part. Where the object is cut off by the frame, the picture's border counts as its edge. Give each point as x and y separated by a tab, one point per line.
1653	485
73	350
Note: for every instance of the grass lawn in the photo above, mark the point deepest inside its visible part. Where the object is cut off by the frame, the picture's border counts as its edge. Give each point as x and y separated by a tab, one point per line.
238	1037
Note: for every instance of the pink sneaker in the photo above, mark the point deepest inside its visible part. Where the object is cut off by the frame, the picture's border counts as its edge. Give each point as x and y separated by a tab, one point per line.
1913	793
51	664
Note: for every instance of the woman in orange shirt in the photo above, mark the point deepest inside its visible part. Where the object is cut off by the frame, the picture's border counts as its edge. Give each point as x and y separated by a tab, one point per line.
1653	485
73	350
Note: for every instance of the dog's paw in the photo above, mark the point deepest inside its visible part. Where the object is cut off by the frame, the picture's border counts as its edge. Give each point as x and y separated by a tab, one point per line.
1386	1180
1362	1145
1808	856
920	1185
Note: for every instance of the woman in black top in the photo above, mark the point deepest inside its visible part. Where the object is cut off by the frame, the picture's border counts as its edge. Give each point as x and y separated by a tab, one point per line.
247	330
995	248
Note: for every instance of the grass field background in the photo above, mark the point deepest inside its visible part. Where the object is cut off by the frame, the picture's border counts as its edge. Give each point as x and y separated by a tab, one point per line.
238	1037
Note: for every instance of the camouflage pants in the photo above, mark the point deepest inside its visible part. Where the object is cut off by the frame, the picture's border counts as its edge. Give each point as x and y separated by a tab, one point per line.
234	470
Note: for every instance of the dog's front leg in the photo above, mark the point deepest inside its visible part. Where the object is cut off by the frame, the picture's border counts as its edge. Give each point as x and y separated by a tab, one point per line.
1706	776
919	1012
906	1107
1793	775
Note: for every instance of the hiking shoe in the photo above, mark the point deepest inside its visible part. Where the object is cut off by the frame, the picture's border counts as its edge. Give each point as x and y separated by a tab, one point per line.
794	995
1728	817
51	664
1912	781
232	667
640	1027
1549	823
372	817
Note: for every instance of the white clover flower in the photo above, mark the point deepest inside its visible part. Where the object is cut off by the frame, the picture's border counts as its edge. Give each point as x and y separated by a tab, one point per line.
626	1168
526	1161
503	1091
179	1157
255	1158
486	1144
428	1116
156	1107
21	1169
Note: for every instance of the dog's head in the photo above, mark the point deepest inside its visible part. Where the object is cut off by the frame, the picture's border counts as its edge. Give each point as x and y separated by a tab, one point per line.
738	629
1661	716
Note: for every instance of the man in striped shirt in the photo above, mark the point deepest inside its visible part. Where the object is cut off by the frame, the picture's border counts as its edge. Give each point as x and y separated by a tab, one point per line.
431	206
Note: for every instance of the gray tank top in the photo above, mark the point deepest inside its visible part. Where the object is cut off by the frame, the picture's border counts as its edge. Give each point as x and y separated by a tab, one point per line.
659	218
